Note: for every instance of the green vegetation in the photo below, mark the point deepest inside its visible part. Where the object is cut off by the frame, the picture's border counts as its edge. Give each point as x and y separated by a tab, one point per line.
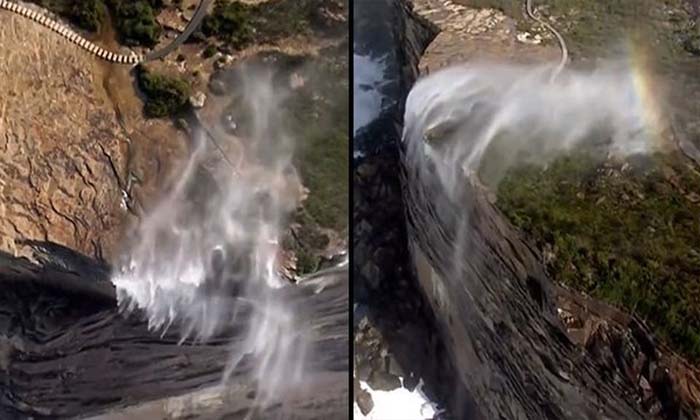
85	14
626	233
593	27
165	96
629	237
209	51
320	122
229	23
236	24
134	19
88	14
282	18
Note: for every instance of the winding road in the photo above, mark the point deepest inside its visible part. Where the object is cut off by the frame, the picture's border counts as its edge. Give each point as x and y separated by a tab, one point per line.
98	51
532	14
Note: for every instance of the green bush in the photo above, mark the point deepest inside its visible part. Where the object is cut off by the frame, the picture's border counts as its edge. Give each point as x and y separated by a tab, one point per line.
209	51
136	21
228	22
85	14
165	96
88	14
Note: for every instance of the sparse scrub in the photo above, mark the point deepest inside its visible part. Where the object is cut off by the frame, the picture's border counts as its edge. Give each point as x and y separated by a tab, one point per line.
320	120
629	237
282	18
85	14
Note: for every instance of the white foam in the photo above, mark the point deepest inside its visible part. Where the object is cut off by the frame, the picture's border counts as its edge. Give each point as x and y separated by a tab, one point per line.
398	404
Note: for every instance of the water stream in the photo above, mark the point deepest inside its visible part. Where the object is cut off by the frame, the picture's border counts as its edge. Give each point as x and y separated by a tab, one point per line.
486	117
206	256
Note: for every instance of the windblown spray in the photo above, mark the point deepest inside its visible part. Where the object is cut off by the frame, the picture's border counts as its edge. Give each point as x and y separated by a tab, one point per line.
208	250
454	116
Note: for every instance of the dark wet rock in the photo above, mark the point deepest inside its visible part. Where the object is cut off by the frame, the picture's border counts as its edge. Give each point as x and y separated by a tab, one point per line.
55	256
394	368
362	398
363	370
388	30
410	382
384	381
72	353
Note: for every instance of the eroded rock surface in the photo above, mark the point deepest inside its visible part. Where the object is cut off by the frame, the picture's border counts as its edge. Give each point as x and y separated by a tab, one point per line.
69	171
495	310
61	143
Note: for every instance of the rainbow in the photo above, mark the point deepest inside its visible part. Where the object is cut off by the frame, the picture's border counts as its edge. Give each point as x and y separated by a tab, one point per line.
648	95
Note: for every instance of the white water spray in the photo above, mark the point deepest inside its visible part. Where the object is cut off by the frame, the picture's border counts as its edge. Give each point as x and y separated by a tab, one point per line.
208	251
454	116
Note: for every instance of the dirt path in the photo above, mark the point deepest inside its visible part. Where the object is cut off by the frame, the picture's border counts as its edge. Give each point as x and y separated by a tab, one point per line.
532	13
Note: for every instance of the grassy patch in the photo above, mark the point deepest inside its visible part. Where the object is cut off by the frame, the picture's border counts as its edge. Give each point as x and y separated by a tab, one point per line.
236	24
165	96
320	122
282	18
318	119
629	237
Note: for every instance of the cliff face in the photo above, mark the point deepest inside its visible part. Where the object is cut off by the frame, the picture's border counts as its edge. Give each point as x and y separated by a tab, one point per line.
66	350
66	161
472	289
388	42
79	164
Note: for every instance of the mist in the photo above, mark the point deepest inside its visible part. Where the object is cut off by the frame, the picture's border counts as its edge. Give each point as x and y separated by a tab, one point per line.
482	118
206	257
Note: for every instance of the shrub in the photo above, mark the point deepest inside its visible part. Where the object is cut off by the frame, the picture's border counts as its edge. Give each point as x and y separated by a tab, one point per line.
209	51
88	14
165	96
136	21
228	22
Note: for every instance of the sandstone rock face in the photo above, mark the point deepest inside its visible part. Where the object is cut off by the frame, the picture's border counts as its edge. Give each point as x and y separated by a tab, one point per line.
468	33
61	143
69	171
